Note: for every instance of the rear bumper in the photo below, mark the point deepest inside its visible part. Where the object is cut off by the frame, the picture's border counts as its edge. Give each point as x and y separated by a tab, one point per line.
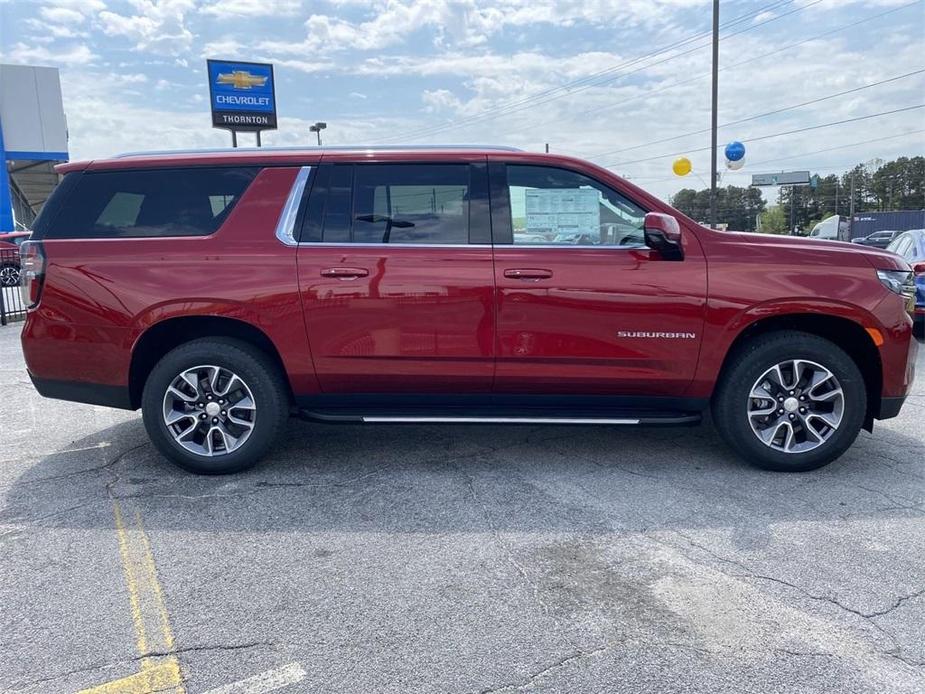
890	407
79	391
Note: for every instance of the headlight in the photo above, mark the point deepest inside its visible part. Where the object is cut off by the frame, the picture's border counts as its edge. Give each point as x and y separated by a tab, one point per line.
895	280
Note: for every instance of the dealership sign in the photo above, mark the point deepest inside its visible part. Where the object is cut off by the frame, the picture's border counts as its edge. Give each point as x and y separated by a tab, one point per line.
242	95
784	178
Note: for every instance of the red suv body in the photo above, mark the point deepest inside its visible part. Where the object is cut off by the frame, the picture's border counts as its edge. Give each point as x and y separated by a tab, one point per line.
451	284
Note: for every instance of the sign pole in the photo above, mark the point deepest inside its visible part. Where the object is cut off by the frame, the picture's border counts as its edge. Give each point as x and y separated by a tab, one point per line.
258	139
234	138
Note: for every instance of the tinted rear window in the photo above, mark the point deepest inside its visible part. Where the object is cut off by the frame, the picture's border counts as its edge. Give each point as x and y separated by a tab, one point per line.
143	203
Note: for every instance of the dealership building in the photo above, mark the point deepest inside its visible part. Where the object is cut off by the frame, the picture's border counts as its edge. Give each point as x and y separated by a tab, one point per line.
33	138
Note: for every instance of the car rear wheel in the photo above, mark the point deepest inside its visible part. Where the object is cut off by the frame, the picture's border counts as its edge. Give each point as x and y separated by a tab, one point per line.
790	401
214	406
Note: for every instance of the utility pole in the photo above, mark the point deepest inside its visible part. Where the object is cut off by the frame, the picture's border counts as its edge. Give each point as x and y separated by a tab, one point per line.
713	139
793	207
851	209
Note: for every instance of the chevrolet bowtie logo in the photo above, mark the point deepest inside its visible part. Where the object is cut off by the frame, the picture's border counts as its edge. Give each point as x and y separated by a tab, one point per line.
241	79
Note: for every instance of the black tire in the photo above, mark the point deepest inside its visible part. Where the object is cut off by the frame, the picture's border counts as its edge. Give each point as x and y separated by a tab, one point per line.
749	363
262	378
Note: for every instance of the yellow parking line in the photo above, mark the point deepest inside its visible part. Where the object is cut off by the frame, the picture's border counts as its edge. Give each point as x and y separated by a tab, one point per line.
152	678
150	618
151	571
141	639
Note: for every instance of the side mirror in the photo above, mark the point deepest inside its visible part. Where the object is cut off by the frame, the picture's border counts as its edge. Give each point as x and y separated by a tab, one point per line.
663	234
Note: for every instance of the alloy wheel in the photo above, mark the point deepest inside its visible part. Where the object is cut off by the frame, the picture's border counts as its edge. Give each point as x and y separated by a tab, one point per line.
796	406
209	410
9	276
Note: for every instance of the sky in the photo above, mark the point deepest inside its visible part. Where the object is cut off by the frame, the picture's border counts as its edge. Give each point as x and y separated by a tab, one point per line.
625	84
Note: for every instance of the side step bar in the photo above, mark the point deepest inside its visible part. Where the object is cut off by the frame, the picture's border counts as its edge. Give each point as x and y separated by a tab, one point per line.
649	419
496	420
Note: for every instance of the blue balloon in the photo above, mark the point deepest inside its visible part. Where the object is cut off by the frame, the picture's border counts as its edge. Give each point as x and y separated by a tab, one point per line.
735	151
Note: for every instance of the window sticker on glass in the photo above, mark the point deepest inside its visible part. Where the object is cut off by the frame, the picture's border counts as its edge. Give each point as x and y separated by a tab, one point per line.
563	211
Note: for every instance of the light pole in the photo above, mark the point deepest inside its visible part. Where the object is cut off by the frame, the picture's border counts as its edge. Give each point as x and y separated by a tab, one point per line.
317	128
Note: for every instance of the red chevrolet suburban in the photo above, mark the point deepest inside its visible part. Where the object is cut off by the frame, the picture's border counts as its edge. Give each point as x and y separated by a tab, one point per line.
223	291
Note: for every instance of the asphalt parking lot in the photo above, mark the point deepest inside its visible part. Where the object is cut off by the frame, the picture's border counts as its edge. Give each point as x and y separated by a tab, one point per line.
440	559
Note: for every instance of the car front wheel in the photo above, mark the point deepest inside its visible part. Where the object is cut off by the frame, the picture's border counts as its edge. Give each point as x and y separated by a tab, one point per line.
790	401
214	406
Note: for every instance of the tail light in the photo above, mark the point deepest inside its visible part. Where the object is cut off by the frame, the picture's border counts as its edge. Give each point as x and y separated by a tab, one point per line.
918	269
32	261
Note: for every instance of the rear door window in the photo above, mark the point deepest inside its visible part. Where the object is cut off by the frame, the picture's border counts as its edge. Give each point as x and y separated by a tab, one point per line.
426	203
399	204
146	203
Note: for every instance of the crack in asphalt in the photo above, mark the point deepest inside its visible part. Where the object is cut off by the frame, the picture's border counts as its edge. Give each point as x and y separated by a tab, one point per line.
205	648
869	617
555	665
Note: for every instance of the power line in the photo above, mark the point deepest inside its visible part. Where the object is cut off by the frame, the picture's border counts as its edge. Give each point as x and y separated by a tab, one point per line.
764	115
773	135
515	108
663	179
788	47
844	168
569	87
832	149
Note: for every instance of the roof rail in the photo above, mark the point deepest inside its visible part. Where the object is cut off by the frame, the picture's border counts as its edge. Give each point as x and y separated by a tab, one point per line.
373	148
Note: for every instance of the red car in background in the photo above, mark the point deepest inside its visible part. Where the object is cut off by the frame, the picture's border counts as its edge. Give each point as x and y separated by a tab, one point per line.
9	256
222	291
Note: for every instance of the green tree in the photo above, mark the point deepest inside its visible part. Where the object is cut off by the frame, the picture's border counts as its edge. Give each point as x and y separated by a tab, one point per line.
774	221
736	207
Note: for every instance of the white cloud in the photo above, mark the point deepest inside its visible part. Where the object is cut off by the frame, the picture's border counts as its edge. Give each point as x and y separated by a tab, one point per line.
231	9
439	100
42	55
157	25
466	22
62	15
224	47
306	66
84	7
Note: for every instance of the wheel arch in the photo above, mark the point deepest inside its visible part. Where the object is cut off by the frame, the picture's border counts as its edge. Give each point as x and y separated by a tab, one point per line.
165	335
848	334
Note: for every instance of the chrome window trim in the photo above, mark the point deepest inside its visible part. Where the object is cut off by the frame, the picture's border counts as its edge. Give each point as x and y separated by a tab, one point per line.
394	245
285	227
573	246
512	246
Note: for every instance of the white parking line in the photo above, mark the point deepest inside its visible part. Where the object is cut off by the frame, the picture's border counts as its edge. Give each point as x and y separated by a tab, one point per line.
268	681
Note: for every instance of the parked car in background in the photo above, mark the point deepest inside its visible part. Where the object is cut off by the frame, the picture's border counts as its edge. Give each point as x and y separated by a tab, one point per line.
879	239
391	288
911	246
9	257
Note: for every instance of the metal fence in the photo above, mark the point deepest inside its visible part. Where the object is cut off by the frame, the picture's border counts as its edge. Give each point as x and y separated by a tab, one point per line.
11	304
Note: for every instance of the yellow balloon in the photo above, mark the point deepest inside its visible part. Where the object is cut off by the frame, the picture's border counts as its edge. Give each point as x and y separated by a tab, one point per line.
681	166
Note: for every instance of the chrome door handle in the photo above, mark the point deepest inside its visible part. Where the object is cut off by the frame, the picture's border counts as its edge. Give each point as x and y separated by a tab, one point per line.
528	274
345	273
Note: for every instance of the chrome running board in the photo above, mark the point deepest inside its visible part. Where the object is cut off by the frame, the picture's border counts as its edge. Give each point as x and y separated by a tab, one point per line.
494	420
